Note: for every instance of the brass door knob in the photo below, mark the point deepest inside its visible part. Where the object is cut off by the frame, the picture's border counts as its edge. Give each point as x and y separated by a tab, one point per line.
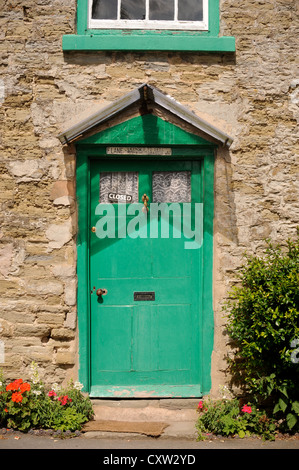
101	292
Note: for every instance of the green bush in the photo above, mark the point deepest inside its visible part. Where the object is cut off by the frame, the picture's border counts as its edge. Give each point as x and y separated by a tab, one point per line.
27	405
228	418
263	322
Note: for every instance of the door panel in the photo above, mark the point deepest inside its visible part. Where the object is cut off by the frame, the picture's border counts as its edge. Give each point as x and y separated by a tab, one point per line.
114	341
154	344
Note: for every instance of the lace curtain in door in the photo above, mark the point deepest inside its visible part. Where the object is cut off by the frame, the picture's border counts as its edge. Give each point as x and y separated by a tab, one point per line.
171	186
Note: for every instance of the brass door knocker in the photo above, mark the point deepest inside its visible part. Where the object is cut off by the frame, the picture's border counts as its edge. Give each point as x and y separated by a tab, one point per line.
145	199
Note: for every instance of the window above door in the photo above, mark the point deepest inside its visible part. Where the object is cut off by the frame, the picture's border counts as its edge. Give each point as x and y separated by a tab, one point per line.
149	14
148	25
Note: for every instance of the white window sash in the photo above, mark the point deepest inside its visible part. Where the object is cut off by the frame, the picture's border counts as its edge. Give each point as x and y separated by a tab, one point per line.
148	24
118	10
176	10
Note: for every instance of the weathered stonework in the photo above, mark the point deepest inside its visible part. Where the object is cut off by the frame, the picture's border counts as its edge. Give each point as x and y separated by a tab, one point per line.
254	95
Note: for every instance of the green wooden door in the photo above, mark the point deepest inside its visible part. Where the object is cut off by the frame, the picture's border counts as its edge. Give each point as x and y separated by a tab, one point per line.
146	331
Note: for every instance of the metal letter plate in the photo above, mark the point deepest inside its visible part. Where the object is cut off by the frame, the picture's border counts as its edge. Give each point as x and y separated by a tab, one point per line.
142	296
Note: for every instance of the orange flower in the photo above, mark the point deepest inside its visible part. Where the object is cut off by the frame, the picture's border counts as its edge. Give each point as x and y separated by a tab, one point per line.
24	387
15	385
11	386
17	397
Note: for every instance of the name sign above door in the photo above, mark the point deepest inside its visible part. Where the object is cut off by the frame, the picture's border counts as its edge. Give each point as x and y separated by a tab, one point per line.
138	151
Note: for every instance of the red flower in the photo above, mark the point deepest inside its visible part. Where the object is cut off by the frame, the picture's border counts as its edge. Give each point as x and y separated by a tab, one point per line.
64	399
14	385
200	405
17	397
247	409
25	387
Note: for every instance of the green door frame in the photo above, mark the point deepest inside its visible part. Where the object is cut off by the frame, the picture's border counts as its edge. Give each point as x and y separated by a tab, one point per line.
144	131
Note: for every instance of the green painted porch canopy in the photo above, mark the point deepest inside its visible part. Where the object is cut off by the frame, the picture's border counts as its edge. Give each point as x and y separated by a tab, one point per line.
144	95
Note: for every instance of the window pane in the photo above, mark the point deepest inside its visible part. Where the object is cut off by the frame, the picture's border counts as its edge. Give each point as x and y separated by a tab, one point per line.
104	9
171	186
119	186
190	10
132	10
161	10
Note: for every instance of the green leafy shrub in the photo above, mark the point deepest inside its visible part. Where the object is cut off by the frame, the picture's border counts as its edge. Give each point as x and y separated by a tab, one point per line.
228	418
27	405
263	322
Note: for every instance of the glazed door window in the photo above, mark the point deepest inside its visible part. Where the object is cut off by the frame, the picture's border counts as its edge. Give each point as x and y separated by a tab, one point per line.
171	186
119	187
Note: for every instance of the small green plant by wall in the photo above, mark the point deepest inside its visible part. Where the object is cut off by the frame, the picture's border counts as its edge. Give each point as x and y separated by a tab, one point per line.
263	323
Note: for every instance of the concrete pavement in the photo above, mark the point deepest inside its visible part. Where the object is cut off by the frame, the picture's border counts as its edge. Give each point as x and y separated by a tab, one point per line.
19	441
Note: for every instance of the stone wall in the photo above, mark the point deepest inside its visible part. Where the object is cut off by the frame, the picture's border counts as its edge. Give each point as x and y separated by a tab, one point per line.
253	93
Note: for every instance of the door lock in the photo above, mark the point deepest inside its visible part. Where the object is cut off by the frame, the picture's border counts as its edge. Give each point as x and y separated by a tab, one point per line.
101	292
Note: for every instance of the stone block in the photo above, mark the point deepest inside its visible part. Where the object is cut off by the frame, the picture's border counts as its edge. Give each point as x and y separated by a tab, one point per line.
64	358
59	234
71	292
31	330
6	253
62	334
71	319
50	319
64	270
61	189
45	287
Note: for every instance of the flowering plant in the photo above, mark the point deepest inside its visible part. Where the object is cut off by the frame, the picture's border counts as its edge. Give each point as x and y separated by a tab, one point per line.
229	418
25	405
246	409
262	322
15	408
63	399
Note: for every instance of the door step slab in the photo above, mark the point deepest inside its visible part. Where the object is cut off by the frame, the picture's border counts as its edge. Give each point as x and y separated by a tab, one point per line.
169	403
179	417
149	413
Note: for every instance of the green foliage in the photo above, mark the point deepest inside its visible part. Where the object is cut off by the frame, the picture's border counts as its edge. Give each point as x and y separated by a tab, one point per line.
225	417
61	418
79	402
22	416
263	322
28	405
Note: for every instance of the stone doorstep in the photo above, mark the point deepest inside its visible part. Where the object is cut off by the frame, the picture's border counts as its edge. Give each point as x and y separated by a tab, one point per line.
169	403
181	431
180	415
148	413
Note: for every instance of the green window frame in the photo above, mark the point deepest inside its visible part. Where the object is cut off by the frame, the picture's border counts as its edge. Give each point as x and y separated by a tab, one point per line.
148	39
